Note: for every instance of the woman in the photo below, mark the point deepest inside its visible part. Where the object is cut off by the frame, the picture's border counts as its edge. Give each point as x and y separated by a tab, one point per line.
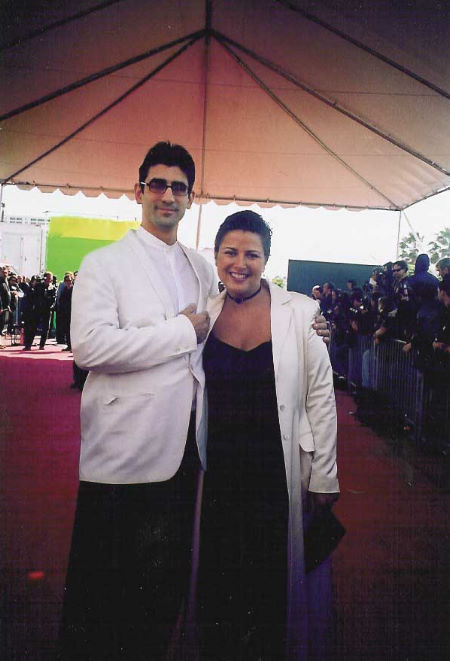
271	443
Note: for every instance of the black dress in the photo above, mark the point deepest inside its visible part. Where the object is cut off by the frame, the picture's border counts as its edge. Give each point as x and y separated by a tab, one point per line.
245	509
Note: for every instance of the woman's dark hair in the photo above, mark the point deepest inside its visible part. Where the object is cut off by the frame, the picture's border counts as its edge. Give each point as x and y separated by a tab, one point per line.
247	221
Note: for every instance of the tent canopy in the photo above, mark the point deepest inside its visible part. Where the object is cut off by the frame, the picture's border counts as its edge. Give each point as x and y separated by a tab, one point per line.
321	102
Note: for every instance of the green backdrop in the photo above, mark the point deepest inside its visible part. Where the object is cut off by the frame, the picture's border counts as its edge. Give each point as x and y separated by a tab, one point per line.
70	238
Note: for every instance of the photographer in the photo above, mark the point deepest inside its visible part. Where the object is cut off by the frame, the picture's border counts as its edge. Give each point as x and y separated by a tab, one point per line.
362	318
41	301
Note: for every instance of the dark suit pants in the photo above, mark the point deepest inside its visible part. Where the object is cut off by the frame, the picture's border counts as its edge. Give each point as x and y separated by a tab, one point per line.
129	567
32	322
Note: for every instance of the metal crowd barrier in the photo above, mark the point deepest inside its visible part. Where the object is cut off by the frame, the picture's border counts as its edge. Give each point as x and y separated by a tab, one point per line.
423	403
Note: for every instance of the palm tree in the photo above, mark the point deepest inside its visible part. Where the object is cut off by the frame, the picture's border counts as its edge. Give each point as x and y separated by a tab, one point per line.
440	246
410	246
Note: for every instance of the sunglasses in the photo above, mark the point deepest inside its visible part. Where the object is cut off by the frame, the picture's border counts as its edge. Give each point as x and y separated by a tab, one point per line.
396	270
159	187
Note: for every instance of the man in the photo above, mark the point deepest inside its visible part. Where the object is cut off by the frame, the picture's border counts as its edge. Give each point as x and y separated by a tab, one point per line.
141	338
60	334
16	294
326	303
404	302
400	272
443	267
5	301
316	293
40	305
64	310
442	341
421	274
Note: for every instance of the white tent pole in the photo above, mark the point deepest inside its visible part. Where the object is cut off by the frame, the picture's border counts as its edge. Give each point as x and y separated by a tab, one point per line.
1	202
199	225
410	225
398	233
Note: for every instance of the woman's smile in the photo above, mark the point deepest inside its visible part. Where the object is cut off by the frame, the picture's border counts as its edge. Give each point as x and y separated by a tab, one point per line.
240	262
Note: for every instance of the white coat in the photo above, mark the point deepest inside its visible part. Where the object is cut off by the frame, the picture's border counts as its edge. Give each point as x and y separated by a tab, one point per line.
307	417
142	362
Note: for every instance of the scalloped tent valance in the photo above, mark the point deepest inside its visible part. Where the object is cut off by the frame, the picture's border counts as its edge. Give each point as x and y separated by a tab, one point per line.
332	102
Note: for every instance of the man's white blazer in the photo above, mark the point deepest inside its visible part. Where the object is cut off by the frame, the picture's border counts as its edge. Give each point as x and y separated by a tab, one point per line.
143	363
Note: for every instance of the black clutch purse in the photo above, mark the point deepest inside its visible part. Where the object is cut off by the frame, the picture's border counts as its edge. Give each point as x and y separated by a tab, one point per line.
322	536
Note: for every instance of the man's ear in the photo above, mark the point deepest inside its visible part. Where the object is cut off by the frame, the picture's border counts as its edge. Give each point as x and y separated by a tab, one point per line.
138	193
191	199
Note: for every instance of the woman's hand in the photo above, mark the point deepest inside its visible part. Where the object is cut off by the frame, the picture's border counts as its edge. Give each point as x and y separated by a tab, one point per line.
322	328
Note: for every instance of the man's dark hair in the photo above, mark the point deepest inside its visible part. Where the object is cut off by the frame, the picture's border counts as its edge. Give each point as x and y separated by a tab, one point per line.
247	221
444	263
165	153
444	285
402	264
357	294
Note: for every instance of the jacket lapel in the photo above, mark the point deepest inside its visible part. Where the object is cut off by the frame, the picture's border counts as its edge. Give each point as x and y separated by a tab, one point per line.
280	320
156	280
201	281
214	307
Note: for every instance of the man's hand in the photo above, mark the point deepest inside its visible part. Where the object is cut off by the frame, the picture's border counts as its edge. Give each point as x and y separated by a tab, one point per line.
322	328
317	502
200	321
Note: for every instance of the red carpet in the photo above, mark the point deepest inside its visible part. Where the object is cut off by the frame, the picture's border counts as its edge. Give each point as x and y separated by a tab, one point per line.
390	572
39	431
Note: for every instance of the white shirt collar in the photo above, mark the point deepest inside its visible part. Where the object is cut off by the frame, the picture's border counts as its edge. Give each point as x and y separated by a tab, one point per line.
153	241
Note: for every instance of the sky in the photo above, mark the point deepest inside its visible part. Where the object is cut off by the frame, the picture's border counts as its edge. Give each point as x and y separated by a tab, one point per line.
357	237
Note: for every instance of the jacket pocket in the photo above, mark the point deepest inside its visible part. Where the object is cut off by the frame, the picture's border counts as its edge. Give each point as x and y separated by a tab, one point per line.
112	399
306	441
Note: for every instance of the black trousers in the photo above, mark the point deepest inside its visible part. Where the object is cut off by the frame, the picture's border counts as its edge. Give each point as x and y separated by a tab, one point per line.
32	322
4	319
129	567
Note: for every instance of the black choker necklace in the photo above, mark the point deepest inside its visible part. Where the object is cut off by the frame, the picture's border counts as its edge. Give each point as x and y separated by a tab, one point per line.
241	299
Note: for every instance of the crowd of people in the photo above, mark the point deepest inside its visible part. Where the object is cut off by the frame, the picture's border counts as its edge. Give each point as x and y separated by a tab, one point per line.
35	304
41	306
394	304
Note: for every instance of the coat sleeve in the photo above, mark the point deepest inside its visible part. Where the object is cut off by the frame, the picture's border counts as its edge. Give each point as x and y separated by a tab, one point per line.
321	412
99	343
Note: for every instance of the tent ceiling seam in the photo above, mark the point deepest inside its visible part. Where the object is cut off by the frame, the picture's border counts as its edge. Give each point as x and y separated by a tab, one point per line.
364	47
114	103
300	123
208	15
207	34
99	74
57	24
335	105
